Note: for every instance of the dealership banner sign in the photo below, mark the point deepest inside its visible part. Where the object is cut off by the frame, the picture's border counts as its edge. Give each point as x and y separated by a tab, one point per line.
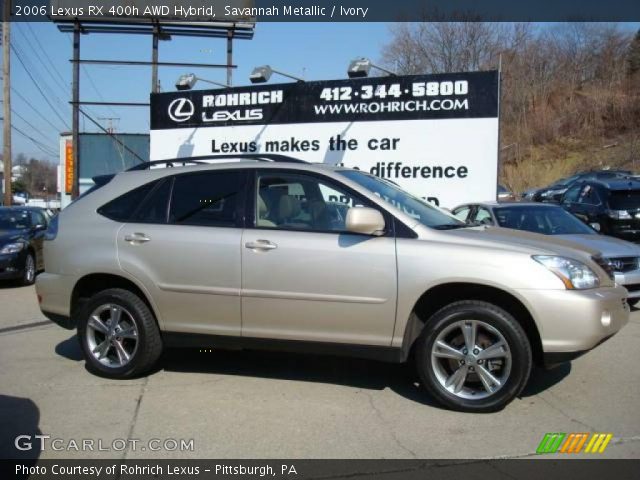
435	135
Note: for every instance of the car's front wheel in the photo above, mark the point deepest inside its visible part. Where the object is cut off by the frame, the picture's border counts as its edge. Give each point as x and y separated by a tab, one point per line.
119	334
29	271
473	356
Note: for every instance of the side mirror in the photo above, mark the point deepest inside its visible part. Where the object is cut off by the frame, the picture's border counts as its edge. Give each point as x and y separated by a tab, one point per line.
368	221
40	227
595	226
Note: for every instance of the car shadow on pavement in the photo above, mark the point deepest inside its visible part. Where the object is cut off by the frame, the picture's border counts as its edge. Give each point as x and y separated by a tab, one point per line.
353	372
70	349
19	416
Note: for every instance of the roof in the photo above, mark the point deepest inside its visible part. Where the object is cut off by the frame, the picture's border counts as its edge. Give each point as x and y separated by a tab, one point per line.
618	183
494	204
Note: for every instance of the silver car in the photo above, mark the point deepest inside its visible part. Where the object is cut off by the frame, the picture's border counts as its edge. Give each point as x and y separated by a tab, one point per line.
270	252
623	257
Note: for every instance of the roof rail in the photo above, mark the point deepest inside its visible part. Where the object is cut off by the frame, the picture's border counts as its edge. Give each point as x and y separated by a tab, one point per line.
259	157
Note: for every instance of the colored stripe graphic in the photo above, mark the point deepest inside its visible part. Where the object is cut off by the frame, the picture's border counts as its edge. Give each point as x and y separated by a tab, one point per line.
550	442
574	442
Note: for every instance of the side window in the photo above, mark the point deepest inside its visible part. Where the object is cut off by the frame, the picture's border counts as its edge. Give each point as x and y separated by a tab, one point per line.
461	213
208	199
121	208
483	216
589	196
571	196
154	208
37	218
301	202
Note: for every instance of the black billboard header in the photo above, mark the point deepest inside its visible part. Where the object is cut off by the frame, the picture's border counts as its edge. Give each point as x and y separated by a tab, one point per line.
412	97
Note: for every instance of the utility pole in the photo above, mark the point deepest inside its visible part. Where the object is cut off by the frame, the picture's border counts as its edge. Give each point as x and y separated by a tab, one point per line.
6	93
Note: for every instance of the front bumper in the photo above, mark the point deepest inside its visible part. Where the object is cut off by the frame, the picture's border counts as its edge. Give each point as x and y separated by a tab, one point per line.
630	281
572	322
11	265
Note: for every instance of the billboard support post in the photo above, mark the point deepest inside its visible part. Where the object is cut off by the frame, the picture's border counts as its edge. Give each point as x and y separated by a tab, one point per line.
154	61
229	57
75	95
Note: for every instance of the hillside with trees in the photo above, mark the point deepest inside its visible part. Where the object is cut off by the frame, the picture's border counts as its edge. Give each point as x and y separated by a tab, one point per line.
570	92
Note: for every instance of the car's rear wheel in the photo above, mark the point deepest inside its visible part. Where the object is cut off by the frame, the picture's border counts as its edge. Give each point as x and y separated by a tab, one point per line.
473	356
119	334
29	272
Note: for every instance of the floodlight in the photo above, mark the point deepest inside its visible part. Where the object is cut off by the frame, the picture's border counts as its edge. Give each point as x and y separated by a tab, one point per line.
360	67
188	81
263	73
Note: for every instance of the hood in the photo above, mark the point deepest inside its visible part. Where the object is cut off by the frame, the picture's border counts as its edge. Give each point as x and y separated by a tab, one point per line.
520	241
609	246
9	236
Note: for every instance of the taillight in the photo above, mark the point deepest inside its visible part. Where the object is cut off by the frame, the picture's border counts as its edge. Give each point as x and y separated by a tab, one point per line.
52	230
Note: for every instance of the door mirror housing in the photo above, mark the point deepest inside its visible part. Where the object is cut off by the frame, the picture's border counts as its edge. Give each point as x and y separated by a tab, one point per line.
368	221
595	226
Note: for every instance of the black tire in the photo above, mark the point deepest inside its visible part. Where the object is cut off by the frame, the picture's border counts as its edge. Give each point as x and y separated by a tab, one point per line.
503	322
149	347
28	277
634	302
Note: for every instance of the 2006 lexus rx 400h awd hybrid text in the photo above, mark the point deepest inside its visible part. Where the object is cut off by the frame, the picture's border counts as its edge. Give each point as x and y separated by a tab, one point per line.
272	252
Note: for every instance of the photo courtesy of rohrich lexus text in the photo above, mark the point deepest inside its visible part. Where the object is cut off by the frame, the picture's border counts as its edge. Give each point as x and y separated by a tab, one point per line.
301	240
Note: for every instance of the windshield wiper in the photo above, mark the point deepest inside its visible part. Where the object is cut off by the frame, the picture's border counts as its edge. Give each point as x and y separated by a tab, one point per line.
450	226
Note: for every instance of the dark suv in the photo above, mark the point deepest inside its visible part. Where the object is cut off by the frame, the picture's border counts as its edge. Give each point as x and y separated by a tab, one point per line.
611	207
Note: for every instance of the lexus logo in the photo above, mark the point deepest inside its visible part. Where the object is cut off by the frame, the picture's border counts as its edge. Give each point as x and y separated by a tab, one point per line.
181	110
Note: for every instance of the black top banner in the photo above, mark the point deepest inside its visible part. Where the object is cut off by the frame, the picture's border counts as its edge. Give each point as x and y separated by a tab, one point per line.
326	11
441	96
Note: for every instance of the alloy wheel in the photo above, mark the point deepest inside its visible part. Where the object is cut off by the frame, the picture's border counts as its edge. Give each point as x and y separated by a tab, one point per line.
471	359
112	335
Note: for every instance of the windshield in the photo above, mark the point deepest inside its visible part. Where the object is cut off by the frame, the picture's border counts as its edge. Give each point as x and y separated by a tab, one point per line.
545	220
14	219
624	200
422	211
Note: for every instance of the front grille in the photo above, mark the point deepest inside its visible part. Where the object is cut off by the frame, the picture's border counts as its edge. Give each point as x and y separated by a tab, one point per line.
623	264
604	265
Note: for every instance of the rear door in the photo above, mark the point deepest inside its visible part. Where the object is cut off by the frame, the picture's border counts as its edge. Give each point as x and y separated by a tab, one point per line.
304	277
183	244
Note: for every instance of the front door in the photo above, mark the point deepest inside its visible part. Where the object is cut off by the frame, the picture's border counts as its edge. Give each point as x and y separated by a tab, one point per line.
304	277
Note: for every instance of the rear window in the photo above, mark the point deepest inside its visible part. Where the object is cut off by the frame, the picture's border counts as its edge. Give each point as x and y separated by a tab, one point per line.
123	207
624	200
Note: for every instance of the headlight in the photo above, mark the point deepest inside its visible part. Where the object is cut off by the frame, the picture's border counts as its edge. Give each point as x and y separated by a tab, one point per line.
12	248
619	214
574	274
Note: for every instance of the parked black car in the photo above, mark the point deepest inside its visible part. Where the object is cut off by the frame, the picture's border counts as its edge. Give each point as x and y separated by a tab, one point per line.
554	192
611	207
22	231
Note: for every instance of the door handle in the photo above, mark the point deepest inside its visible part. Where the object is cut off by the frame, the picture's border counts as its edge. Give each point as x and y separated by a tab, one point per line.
261	245
136	238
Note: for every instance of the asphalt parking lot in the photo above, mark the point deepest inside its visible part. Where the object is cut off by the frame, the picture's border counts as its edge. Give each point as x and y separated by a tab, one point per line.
267	405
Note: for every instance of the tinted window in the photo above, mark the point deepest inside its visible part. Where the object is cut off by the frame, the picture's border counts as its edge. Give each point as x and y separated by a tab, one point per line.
154	208
545	220
207	199
302	202
589	196
572	194
625	200
38	218
483	216
461	213
121	208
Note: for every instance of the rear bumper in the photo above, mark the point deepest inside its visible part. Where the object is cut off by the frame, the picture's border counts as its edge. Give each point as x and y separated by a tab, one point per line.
54	294
572	322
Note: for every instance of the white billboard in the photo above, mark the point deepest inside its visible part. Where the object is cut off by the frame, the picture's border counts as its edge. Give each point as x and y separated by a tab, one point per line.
434	135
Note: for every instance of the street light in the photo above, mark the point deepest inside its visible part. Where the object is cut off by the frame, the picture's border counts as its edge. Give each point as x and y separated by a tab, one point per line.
360	68
188	80
263	74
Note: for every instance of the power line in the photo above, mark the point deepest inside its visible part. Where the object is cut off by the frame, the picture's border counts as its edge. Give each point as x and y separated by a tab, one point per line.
38	87
28	102
42	147
28	123
53	66
41	61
